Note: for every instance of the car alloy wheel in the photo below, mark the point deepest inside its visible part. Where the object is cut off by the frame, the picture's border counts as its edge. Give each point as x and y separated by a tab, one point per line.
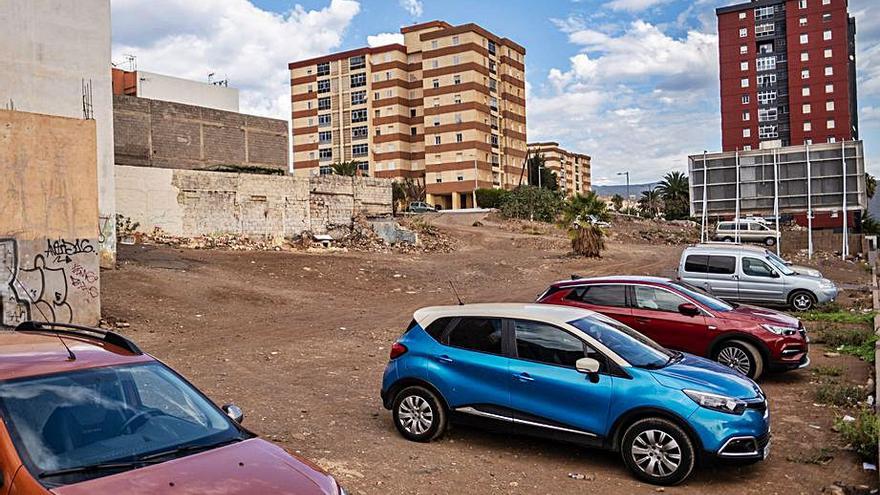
802	301
735	358
415	415
656	453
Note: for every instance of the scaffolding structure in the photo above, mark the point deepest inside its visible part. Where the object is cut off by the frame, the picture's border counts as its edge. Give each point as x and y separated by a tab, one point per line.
770	182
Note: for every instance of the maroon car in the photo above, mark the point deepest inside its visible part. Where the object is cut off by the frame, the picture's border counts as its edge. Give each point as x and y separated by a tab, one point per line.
680	316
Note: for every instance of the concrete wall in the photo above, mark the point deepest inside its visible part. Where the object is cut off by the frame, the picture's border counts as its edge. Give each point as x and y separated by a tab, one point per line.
190	202
826	241
154	133
49	260
47	49
177	90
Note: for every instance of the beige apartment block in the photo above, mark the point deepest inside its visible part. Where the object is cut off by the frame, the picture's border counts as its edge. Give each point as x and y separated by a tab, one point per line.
572	169
446	107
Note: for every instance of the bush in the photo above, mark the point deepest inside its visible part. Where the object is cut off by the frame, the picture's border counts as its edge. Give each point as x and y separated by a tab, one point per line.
531	203
838	316
836	394
834	336
862	434
491	198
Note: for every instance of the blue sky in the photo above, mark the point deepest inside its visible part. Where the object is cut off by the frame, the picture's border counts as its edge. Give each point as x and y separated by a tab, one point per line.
633	83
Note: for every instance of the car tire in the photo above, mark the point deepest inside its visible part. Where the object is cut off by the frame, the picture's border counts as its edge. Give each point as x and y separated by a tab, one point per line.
741	356
658	451
801	300
727	239
419	414
770	242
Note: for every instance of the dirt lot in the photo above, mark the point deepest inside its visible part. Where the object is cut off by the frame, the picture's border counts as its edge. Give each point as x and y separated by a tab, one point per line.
300	341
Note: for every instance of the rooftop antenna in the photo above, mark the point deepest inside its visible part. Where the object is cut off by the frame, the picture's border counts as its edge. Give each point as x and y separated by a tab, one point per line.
70	355
131	60
460	302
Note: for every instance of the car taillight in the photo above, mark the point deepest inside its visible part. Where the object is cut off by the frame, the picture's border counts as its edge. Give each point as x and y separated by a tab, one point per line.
397	350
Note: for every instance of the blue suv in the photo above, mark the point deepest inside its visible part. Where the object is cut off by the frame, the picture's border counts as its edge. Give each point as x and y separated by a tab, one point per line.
573	375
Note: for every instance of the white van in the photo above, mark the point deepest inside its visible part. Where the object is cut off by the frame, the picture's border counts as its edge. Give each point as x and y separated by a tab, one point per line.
747	231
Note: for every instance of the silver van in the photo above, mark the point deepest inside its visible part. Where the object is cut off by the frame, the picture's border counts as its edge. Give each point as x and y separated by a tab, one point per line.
799	269
740	273
748	231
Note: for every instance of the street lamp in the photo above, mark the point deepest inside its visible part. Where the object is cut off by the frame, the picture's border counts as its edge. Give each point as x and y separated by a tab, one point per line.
627	182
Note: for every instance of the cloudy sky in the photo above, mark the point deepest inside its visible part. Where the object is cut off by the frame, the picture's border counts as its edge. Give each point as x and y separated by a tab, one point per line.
634	83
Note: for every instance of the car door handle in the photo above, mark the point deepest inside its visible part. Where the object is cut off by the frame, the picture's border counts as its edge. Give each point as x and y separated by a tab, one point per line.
643	321
524	377
444	359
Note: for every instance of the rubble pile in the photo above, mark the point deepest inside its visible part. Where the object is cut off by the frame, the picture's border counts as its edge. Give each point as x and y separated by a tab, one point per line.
232	242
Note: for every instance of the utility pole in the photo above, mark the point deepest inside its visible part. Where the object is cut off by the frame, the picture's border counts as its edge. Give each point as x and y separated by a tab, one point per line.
476	182
627	183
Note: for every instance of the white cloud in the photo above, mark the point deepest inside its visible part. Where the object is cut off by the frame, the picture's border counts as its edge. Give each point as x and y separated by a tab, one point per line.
233	39
633	5
414	7
384	39
634	99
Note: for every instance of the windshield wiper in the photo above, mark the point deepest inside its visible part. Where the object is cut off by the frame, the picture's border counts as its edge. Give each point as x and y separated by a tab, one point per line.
674	358
189	449
101	466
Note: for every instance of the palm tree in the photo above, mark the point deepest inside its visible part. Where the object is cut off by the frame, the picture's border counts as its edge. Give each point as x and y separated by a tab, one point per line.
674	189
651	203
870	185
577	214
349	168
617	202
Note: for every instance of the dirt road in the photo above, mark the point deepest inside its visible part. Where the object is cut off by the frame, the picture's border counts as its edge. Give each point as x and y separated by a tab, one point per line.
300	341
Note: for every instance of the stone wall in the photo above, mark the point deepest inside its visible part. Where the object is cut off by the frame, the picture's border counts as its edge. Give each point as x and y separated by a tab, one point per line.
49	237
155	133
194	202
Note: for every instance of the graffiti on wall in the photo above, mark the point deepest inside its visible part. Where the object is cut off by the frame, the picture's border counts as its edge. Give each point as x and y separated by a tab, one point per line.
38	287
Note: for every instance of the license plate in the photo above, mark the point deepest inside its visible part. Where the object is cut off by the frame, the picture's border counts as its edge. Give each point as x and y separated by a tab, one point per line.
767	450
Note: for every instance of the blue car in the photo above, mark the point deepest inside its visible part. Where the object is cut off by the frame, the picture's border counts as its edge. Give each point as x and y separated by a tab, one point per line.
572	375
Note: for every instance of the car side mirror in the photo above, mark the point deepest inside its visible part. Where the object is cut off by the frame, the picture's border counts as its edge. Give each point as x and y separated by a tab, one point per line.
774	275
688	309
588	366
234	412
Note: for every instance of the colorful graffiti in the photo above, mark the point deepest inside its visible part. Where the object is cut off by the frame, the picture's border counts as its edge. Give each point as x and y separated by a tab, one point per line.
38	287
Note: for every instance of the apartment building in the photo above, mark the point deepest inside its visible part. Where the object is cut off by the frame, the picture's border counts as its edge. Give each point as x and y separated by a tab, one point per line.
787	72
446	107
572	169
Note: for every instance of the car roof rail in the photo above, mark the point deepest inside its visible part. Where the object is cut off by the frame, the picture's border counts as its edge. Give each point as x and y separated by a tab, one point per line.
72	329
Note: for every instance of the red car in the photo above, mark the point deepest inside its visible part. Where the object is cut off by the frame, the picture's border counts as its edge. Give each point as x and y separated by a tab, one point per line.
85	411
679	316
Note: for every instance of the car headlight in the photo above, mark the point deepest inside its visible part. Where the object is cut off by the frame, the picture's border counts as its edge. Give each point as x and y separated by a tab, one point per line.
826	284
716	402
778	330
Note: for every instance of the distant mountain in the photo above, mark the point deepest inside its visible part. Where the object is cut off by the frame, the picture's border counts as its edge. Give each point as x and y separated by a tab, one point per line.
634	189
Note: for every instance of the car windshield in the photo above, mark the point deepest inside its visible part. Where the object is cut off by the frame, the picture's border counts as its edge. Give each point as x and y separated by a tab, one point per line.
635	348
702	296
64	425
779	263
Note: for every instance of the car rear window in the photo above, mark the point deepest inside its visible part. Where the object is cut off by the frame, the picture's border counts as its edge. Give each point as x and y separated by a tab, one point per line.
723	265
436	328
599	295
696	263
725	226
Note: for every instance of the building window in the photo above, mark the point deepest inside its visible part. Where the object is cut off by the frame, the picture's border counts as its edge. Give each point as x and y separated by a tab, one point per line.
768	132
358	97
388	75
764	13
743	32
359	149
828	53
455	40
359	115
767	114
456	60
491	47
434	44
766	63
747	132
826	17
436	121
436	139
805	74
765	97
829	106
826	35
458	118
826	2
413	131
358	80
324	120
357	62
743	66
805	56
456	99
807	108
435	63
325	136
765	48
746	116
829	71
325	154
802	21
323	69
324	86
359	132
742	15
324	103
829	88
830	124
459	137
805	91
766	80
456	79
745	99
743	49
805	38
765	29
802	4
747	147
744	82
832	139
808	126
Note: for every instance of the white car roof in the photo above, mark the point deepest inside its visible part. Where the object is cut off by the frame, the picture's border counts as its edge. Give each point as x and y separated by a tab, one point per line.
548	313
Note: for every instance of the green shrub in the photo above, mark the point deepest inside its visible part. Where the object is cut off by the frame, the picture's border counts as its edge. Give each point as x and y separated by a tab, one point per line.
491	198
838	316
822	371
835	336
862	434
864	351
836	394
531	203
